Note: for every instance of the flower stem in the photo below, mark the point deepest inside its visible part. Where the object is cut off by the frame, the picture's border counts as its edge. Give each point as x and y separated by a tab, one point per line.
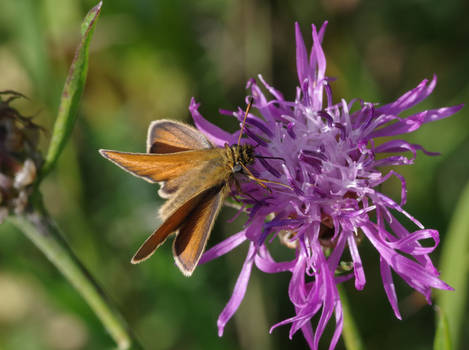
350	333
38	226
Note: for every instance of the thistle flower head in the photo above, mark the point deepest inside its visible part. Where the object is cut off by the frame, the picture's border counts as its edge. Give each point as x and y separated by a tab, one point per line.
327	156
19	157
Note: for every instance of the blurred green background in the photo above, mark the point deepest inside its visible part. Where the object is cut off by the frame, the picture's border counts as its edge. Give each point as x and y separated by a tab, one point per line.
147	59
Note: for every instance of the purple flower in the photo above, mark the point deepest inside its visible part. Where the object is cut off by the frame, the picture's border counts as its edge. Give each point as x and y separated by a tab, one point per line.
326	155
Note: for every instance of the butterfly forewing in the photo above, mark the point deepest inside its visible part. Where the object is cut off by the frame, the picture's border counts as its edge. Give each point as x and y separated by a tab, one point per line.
159	167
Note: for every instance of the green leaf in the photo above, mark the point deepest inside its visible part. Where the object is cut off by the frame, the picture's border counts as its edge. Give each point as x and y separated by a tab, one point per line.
442	336
72	92
454	268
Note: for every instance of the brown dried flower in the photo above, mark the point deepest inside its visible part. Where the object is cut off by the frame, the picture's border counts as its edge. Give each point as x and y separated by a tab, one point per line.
19	157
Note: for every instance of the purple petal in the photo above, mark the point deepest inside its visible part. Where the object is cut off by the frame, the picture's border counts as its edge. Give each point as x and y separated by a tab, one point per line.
402	232
319	54
259	124
389	287
328	91
259	141
269	167
308	334
437	114
320	36
329	300
267	264
265	108
402	126
417	276
224	247
302	65
238	291
395	146
403	184
216	135
393	160
274	92
414	122
254	230
296	290
388	202
339	324
407	244
410	98
358	270
334	258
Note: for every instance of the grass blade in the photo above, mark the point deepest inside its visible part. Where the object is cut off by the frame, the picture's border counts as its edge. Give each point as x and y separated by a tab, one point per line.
453	268
351	335
71	93
442	336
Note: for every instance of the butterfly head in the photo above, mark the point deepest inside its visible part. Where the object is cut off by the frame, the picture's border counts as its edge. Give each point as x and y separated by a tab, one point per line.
242	155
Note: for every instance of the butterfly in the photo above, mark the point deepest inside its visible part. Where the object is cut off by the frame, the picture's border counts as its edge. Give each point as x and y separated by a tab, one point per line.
195	177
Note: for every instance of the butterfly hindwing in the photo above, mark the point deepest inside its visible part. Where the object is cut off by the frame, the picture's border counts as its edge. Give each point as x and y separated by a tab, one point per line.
173	223
168	136
194	232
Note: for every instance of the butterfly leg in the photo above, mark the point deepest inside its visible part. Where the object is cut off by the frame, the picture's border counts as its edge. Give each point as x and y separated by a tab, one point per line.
262	182
240	191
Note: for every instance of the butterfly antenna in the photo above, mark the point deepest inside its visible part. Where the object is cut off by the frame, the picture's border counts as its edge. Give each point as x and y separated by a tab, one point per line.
264	157
248	108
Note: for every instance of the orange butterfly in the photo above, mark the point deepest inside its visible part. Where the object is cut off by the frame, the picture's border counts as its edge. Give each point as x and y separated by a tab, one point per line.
195	176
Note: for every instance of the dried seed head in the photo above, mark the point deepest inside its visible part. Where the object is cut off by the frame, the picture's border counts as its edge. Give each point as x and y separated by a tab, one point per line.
19	156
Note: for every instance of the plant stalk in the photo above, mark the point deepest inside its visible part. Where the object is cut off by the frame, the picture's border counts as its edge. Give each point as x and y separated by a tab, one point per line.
39	227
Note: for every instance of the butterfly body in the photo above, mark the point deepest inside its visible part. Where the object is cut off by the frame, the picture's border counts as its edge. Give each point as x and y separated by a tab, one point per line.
194	176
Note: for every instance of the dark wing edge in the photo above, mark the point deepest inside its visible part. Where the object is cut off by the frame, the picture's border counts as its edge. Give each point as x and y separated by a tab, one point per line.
169	226
191	240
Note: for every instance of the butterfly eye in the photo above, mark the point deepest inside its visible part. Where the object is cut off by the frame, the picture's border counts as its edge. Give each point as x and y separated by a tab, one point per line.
237	168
